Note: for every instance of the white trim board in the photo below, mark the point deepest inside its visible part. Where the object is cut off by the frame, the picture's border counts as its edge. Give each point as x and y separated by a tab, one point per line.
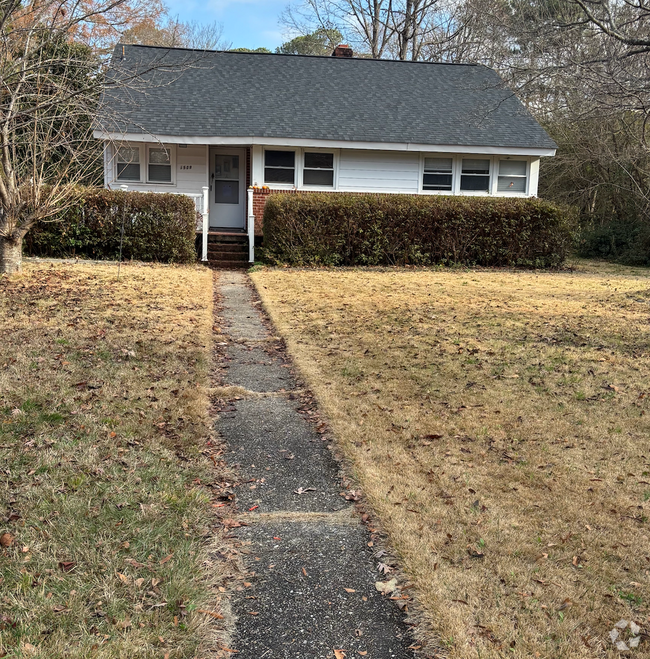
324	144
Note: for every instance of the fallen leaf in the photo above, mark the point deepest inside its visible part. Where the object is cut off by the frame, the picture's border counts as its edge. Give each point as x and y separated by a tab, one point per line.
6	539
304	571
213	614
339	654
386	587
167	558
565	604
363	653
67	566
349	590
123	577
304	490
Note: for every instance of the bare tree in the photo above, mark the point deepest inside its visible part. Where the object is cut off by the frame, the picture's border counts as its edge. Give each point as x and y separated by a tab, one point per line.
174	33
50	88
365	24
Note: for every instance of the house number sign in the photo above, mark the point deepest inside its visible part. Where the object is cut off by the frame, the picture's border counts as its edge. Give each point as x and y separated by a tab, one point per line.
186	167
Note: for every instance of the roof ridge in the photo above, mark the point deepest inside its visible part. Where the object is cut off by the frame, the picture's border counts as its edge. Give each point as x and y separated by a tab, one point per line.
326	57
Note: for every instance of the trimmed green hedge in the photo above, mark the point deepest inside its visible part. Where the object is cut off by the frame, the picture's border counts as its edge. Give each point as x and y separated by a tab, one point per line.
364	229
157	227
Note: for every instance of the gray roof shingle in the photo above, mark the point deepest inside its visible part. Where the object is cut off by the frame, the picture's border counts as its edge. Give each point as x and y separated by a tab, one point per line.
183	93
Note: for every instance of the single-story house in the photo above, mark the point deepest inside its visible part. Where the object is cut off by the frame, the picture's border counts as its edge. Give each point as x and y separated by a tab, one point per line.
228	128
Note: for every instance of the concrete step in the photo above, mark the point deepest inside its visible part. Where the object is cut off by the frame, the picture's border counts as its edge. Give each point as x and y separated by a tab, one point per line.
227	265
227	256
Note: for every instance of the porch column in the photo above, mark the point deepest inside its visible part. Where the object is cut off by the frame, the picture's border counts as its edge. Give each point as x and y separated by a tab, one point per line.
206	223
251	227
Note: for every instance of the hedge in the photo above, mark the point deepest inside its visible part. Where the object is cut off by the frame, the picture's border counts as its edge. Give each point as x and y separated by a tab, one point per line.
362	229
157	227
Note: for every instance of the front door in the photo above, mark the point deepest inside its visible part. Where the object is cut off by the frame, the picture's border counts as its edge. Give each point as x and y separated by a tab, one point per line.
227	188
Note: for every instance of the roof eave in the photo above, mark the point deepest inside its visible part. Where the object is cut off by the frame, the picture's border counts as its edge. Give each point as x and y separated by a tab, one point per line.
326	144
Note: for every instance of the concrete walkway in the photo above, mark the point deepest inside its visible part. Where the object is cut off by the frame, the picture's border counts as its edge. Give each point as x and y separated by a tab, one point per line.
311	573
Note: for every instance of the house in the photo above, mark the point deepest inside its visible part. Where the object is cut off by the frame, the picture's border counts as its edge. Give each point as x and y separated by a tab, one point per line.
229	128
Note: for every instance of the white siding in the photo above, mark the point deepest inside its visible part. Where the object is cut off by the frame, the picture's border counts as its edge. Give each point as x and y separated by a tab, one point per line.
190	174
378	171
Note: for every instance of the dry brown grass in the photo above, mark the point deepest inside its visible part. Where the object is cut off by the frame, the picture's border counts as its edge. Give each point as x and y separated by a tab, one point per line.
103	428
497	422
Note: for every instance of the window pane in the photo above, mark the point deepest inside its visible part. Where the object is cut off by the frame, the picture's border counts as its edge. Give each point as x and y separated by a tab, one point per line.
481	183
438	164
272	175
226	192
279	158
511	184
512	168
226	167
160	173
159	156
319	160
128	154
318	177
437	182
128	172
472	166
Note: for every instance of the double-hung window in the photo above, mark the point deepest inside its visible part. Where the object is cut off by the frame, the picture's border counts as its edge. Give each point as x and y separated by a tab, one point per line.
280	167
438	174
512	176
159	165
128	163
475	175
318	169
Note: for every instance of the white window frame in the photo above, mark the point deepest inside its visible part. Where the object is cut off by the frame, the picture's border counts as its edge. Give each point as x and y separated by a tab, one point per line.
491	179
297	170
335	166
128	145
505	193
299	162
171	148
454	174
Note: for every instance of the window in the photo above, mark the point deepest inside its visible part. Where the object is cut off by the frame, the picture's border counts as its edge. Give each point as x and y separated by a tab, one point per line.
475	175
512	176
160	165
437	174
280	167
128	163
319	169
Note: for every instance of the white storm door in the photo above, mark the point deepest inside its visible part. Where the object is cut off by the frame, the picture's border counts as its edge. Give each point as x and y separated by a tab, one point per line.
227	188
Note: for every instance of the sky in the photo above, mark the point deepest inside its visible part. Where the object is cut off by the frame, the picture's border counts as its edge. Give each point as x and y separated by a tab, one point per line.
246	23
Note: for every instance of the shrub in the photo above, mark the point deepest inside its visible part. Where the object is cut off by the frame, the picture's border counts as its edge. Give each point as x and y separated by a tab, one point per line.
157	227
623	241
360	229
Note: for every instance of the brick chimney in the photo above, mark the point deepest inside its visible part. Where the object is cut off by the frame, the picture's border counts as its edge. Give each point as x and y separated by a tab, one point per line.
343	50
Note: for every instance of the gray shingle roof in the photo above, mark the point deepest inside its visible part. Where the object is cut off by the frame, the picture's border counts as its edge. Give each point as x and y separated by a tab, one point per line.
227	94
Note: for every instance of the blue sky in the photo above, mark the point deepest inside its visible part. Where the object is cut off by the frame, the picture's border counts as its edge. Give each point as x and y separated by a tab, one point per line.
246	23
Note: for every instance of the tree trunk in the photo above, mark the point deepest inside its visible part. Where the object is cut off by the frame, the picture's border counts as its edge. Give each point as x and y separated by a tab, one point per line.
11	255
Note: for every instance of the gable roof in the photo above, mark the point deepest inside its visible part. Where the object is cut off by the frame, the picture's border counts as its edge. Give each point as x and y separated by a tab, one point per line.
180	92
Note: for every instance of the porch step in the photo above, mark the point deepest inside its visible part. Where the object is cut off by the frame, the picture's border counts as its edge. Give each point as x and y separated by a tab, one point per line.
227	238
234	248
228	265
218	255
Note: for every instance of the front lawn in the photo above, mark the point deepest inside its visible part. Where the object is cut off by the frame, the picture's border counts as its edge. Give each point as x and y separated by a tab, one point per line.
498	425
103	432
